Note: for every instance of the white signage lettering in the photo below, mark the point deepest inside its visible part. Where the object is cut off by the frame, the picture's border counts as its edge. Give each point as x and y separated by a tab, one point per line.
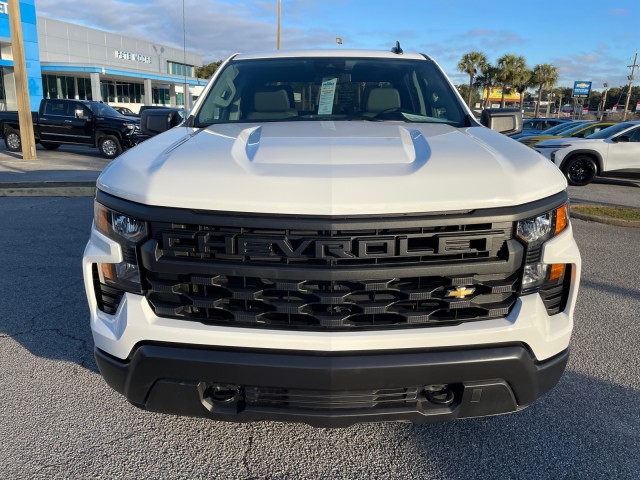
133	57
4	8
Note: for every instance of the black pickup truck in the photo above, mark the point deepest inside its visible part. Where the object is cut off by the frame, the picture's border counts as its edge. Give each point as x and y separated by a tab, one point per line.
75	122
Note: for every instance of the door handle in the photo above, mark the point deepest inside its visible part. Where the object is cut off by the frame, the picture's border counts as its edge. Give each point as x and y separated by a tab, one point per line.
68	121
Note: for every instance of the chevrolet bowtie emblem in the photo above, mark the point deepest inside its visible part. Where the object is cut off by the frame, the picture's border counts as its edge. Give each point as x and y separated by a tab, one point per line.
460	292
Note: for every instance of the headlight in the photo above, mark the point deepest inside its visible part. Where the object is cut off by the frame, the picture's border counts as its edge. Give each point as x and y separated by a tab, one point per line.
533	232
128	232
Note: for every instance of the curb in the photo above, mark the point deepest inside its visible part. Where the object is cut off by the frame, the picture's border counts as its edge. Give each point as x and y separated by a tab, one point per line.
618	222
48	189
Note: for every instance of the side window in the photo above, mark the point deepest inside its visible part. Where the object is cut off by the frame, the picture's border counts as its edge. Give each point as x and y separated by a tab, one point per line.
56	107
635	135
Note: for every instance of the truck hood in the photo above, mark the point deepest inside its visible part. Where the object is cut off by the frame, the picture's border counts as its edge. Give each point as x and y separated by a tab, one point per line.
332	168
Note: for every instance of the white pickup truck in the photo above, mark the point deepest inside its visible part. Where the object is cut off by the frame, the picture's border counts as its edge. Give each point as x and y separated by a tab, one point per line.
331	238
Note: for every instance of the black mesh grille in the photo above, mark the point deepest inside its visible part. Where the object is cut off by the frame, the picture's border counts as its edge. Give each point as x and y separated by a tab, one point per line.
332	279
321	400
251	301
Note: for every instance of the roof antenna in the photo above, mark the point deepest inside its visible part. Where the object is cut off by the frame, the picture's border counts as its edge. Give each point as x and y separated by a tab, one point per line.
397	50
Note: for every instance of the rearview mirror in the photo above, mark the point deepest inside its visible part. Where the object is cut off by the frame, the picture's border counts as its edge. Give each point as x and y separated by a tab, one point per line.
502	120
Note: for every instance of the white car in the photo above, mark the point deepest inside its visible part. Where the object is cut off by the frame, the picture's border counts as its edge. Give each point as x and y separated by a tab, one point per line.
581	159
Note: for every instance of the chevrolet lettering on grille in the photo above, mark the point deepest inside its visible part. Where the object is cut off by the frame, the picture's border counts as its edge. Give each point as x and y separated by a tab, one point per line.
325	248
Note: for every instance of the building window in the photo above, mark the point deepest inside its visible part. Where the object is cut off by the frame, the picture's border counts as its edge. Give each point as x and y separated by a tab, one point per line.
161	96
180	69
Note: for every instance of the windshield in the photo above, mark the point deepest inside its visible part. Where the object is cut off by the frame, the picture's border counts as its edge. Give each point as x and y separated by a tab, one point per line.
103	110
612	130
563	127
299	89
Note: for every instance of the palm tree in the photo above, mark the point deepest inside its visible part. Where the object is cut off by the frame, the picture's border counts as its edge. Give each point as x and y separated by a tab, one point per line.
521	82
544	76
470	63
487	80
510	69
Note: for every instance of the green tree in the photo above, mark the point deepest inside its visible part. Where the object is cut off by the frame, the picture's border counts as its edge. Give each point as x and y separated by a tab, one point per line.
486	81
510	69
469	64
472	94
544	76
521	82
206	71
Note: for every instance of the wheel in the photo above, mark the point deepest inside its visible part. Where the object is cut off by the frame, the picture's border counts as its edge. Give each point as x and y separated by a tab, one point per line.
12	140
580	170
110	146
50	146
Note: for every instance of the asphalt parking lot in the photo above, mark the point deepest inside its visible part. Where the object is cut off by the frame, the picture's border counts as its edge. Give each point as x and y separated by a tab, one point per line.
60	420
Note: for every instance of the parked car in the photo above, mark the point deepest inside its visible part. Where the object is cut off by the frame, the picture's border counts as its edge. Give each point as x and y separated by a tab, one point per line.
124	111
75	122
551	131
581	130
535	126
581	159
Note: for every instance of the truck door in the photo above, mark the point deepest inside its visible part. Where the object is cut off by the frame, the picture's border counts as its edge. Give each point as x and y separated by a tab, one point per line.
81	122
53	127
65	121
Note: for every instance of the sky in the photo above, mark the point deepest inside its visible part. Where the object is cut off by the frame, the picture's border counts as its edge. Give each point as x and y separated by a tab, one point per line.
590	40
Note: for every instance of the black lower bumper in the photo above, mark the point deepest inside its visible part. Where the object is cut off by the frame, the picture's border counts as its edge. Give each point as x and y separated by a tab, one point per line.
330	390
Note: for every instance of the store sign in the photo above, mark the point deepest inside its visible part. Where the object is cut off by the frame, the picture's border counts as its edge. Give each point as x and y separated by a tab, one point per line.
4	8
133	57
581	89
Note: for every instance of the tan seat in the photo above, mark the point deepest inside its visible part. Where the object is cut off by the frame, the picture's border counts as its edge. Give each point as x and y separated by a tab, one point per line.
381	99
271	105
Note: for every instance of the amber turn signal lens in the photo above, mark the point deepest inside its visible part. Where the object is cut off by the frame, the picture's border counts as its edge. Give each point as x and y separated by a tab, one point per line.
557	272
561	219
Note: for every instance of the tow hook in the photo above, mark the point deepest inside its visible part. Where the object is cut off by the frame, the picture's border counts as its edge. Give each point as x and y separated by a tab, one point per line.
440	395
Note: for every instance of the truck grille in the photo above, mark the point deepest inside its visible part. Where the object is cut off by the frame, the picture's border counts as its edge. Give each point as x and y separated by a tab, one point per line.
319	274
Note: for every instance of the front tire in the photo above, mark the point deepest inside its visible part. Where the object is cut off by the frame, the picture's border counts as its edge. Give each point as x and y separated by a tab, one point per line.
110	147
12	140
580	170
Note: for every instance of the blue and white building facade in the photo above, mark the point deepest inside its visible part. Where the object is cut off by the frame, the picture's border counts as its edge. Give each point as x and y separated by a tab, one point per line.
66	60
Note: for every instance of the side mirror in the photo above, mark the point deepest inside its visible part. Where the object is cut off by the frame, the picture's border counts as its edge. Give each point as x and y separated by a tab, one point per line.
502	120
158	120
80	113
622	138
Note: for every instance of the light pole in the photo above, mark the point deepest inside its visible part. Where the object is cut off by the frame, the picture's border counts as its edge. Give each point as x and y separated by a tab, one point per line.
633	69
279	20
604	99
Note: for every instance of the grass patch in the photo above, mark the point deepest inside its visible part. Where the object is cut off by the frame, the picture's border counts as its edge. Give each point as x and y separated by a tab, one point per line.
621	213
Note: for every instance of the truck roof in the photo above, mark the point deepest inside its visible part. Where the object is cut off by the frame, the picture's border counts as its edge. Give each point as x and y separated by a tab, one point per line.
338	52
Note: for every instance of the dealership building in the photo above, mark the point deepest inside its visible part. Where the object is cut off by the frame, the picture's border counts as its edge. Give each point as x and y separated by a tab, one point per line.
65	60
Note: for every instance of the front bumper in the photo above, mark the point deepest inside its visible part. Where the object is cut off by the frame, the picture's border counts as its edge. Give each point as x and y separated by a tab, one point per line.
130	141
329	390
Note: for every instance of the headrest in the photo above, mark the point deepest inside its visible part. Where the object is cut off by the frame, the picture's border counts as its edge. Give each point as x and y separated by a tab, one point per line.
271	101
383	99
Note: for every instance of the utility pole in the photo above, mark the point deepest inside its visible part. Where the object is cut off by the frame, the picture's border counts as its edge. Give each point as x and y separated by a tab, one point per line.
604	100
279	17
22	87
633	69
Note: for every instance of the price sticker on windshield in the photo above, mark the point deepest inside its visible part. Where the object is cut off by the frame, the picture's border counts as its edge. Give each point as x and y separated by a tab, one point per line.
327	94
